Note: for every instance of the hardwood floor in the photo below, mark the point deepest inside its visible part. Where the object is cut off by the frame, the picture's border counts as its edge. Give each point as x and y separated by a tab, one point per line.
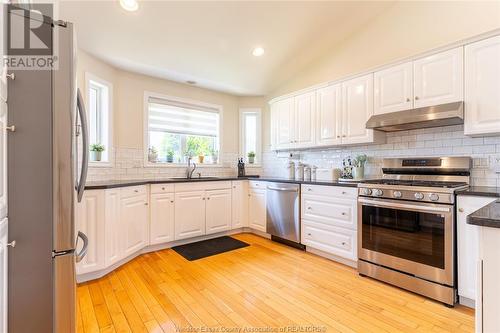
263	285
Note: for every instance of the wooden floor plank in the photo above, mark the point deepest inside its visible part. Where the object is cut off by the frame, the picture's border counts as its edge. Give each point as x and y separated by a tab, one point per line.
263	285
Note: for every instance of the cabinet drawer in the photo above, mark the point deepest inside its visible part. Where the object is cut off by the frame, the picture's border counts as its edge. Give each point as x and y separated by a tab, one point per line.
338	241
333	191
162	188
257	184
127	192
330	211
202	186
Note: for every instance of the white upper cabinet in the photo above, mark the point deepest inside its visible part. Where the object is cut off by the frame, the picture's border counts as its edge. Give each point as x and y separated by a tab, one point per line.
329	115
304	120
439	78
134	220
285	123
161	229
394	89
189	214
357	100
482	87
218	216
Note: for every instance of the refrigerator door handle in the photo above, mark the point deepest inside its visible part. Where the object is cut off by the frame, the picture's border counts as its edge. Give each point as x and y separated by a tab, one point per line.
80	255
85	153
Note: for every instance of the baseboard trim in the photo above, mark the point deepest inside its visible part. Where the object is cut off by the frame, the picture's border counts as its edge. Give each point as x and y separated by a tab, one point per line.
470	303
333	257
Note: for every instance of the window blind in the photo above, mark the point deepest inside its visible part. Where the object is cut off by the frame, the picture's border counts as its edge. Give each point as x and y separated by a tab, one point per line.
176	117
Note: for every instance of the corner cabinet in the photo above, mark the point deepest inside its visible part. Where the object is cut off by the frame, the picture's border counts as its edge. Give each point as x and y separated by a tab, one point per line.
482	87
90	221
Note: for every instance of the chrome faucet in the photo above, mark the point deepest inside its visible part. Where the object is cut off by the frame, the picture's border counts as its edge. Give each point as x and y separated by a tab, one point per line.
189	170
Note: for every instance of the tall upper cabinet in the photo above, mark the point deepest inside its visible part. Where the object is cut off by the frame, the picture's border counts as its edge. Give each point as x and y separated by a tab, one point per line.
439	78
329	115
433	80
482	87
357	101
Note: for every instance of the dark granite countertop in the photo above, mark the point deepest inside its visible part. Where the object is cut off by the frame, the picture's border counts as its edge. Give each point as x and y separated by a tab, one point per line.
481	191
99	185
488	216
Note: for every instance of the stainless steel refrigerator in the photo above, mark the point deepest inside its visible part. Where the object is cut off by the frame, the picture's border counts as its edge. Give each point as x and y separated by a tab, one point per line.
47	167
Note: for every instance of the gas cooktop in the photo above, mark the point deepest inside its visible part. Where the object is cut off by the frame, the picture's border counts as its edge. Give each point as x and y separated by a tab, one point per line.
422	183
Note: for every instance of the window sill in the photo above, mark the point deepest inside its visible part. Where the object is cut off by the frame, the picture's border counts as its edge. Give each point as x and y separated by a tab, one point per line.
100	164
182	165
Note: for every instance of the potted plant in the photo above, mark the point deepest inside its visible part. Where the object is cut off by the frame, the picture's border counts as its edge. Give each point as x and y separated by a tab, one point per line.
358	170
170	156
251	157
201	158
96	150
215	156
152	155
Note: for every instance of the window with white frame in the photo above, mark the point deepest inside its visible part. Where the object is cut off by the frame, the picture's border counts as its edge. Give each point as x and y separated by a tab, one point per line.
178	129
250	135
99	108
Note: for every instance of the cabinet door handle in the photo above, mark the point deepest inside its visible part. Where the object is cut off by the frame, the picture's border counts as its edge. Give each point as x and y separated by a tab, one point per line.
203	198
338	136
416	98
309	189
461	210
11	128
172	201
309	208
145	204
163	189
408	99
12	244
309	234
344	214
343	243
208	198
136	191
343	136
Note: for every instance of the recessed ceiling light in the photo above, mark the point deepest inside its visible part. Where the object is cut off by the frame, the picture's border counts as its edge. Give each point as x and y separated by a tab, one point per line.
258	51
129	5
191	82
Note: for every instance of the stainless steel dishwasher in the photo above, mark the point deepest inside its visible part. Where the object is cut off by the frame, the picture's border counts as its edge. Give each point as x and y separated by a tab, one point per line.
283	213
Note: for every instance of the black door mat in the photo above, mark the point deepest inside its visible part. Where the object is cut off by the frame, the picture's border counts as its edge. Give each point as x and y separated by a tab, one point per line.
210	247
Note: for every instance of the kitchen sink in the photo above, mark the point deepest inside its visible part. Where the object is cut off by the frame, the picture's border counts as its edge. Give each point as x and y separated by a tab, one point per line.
194	178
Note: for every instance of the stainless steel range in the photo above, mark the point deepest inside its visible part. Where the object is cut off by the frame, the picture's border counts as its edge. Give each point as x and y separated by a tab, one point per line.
407	224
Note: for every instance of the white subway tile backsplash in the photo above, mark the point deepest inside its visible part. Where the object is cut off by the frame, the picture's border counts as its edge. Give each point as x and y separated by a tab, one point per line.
445	141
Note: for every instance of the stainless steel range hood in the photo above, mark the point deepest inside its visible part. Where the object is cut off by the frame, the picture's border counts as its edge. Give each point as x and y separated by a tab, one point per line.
431	116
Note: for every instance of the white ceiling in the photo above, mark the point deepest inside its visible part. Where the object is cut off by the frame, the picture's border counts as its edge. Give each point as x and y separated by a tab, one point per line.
211	42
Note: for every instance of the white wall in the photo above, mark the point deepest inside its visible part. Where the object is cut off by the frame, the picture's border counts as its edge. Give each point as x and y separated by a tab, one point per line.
128	113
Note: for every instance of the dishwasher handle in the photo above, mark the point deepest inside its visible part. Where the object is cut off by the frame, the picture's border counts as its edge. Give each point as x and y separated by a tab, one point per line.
282	189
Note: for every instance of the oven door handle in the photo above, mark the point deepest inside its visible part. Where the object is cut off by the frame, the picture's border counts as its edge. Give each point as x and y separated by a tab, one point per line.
407	206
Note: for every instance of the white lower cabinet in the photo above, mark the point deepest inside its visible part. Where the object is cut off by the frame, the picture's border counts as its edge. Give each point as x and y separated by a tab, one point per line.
218	211
90	221
3	274
239	204
112	225
468	245
162	218
134	222
189	214
329	220
257	214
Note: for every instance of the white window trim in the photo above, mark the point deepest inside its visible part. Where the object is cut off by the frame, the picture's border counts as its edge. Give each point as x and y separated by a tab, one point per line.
258	153
147	95
111	156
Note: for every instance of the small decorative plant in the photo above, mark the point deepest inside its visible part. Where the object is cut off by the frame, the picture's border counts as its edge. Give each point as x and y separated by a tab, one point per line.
170	155
152	155
96	150
358	172
215	156
251	157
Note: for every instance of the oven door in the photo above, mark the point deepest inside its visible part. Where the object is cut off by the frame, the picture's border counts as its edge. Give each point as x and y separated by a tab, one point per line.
411	237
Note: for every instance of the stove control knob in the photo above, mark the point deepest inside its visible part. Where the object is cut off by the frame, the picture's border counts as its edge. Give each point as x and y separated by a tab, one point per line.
419	196
397	194
377	192
367	191
434	197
